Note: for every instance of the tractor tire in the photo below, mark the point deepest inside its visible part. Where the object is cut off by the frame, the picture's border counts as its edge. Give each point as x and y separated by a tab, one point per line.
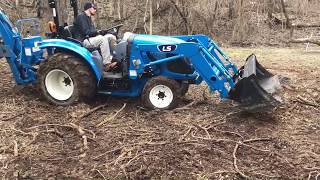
184	87
160	93
65	79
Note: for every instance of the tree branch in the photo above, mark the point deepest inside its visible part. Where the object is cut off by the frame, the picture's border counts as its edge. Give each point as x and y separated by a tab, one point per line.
186	24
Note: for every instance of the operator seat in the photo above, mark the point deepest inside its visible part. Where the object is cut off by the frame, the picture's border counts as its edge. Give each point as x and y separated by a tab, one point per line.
68	31
69	35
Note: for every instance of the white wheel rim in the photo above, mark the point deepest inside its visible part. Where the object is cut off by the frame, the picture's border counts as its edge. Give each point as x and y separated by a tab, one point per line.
59	85
161	96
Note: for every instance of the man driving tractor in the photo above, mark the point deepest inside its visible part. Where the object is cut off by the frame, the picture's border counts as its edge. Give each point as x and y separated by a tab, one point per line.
91	38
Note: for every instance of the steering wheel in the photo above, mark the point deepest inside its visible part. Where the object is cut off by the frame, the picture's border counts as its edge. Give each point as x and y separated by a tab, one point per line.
112	30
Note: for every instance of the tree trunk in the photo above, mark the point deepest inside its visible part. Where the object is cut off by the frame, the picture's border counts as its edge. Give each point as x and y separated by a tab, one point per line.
231	11
151	17
270	7
288	23
145	17
120	9
63	15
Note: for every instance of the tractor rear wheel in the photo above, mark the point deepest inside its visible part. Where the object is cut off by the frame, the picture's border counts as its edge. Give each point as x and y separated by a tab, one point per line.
160	93
65	79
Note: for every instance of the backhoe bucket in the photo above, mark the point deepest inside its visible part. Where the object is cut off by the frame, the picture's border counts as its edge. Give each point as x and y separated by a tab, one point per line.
256	88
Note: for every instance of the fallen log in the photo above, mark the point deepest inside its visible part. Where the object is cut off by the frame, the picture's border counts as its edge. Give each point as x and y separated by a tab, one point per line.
305	25
306	40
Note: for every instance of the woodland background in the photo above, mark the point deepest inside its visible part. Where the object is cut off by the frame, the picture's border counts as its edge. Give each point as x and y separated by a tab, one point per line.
229	22
204	137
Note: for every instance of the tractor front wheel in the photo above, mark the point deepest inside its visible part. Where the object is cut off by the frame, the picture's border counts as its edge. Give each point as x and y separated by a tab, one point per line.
160	93
65	79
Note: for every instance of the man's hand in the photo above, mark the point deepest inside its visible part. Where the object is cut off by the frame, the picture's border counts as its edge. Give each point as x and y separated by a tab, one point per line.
108	31
103	32
93	33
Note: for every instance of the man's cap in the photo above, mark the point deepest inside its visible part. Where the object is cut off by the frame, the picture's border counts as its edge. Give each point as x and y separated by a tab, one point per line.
88	5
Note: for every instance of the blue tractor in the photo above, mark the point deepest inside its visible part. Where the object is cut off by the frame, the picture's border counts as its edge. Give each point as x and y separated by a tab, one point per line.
159	69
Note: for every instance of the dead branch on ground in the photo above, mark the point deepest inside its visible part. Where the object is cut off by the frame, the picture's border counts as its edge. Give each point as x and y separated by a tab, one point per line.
235	162
112	117
101	174
307	102
63	125
15	148
93	110
310	175
82	134
186	107
13	117
235	153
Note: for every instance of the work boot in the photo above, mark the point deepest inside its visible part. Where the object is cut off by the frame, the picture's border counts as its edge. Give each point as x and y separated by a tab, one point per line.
110	66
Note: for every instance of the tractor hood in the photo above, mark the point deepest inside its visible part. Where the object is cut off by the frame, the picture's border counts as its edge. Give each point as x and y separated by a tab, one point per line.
155	40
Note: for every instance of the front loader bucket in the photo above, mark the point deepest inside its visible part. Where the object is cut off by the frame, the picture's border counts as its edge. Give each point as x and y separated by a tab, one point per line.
256	88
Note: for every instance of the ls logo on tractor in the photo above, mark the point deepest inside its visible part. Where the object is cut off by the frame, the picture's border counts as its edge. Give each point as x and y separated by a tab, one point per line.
167	48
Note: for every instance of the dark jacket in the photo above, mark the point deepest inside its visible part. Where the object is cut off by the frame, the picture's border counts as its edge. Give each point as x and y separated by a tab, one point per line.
84	27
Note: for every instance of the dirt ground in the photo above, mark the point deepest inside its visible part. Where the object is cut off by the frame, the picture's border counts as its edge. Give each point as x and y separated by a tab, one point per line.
204	138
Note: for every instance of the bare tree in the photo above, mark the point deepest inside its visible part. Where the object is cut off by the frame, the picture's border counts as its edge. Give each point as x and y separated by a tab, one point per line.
232	20
151	16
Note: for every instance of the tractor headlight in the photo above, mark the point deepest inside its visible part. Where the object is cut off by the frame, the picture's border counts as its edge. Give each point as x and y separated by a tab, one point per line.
136	63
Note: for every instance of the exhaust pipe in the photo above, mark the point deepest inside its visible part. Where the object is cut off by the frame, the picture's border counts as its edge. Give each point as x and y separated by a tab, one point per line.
256	88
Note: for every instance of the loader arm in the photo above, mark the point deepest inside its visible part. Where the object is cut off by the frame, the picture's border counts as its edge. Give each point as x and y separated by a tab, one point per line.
252	85
210	69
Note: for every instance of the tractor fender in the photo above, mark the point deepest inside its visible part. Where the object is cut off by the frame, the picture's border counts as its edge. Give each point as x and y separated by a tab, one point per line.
75	48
